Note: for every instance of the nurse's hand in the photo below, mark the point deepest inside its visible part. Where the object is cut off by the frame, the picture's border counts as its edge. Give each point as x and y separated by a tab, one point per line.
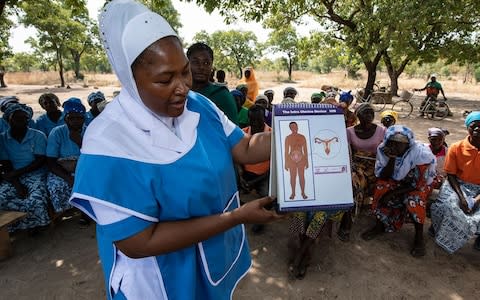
255	212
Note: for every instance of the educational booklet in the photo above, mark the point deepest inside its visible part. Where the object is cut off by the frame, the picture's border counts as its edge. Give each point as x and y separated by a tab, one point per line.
310	163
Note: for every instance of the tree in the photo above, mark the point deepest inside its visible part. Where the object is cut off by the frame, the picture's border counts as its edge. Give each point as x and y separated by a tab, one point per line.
233	50
57	27
23	62
166	9
5	49
285	40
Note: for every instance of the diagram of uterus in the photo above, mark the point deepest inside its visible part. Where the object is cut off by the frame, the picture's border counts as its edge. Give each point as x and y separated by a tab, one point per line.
326	143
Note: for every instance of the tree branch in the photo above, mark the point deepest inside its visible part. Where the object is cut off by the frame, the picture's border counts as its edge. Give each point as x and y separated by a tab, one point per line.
337	18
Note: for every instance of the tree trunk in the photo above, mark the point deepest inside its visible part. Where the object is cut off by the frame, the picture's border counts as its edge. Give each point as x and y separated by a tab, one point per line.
60	68
2	76
394	73
371	66
2	6
76	64
290	67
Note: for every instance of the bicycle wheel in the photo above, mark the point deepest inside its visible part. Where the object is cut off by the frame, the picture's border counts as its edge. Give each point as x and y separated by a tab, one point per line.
441	111
378	103
431	111
403	108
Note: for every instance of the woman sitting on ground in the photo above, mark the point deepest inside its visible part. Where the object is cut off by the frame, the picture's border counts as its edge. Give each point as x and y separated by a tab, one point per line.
93	100
405	170
455	213
242	111
364	139
388	118
436	137
63	150
346	98
262	100
53	116
22	157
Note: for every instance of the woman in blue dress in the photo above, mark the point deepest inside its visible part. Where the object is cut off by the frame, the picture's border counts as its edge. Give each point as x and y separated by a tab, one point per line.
22	158
52	117
93	99
63	150
156	171
4	103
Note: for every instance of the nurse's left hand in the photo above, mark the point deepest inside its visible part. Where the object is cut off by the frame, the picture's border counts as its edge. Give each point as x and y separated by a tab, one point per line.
255	212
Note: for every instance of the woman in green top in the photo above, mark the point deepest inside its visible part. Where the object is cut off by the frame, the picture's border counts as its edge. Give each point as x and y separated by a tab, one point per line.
201	62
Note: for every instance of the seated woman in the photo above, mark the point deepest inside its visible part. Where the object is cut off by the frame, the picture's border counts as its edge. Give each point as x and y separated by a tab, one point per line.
22	156
388	118
455	213
262	100
346	99
63	150
305	228
436	137
364	139
4	103
93	100
53	116
405	170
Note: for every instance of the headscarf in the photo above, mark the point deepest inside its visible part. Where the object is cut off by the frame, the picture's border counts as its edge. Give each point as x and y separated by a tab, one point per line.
127	28
95	96
346	97
251	83
269	92
237	93
416	154
362	107
390	113
72	105
261	97
13	107
288	89
434	131
288	100
45	96
472	117
320	95
5	101
72	99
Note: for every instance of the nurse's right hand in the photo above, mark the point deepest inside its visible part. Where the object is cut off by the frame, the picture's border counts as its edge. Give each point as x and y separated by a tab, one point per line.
254	212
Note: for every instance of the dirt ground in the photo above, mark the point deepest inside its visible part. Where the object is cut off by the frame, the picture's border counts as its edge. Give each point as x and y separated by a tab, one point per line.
61	262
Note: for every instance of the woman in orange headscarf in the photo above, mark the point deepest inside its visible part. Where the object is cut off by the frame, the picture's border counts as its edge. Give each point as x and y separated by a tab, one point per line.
252	84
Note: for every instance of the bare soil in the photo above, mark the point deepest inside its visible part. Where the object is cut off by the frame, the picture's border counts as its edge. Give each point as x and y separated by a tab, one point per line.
61	262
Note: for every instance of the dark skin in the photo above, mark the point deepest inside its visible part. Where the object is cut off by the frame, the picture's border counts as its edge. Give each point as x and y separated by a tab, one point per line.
474	139
74	122
18	129
366	128
51	107
436	143
163	79
270	99
394	149
201	66
388	121
94	108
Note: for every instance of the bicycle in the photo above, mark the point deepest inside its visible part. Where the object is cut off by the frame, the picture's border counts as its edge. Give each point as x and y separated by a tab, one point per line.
378	104
434	109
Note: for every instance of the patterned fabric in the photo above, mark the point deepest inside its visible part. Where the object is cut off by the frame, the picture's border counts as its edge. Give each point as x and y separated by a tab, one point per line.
35	205
417	154
453	228
393	213
363	177
311	223
59	192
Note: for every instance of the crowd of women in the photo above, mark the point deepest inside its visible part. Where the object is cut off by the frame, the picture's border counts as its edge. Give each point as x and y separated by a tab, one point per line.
161	236
38	157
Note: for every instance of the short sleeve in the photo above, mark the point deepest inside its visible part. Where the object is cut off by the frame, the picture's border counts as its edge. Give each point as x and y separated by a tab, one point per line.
54	143
40	143
450	166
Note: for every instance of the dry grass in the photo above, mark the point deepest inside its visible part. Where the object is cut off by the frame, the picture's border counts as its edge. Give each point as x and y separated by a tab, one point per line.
52	79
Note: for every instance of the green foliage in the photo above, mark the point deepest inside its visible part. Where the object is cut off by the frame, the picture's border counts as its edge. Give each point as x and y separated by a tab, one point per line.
22	62
477	74
284	39
96	61
233	50
5	26
166	10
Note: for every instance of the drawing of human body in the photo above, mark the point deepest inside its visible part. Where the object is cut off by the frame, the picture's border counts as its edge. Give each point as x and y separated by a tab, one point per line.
296	158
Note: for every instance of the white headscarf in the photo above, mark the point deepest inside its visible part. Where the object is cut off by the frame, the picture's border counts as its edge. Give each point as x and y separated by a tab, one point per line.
417	154
127	128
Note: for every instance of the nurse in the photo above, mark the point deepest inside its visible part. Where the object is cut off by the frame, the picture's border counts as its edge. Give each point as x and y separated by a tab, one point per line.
156	171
